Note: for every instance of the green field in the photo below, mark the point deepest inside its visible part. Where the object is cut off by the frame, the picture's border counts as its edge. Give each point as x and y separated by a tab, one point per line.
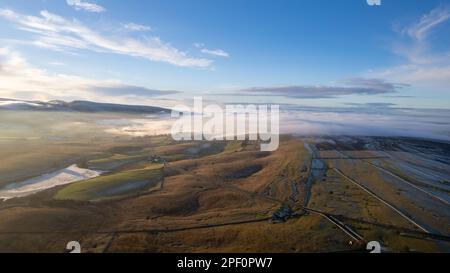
114	186
115	161
233	146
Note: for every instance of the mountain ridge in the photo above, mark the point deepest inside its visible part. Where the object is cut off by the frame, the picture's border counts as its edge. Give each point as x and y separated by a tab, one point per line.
77	106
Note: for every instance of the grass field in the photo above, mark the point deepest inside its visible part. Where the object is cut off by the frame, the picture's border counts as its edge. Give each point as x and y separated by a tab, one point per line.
114	186
115	161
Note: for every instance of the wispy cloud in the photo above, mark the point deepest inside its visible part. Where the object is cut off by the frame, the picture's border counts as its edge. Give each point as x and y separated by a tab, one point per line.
421	30
21	80
424	65
216	52
213	52
84	5
58	33
351	86
136	27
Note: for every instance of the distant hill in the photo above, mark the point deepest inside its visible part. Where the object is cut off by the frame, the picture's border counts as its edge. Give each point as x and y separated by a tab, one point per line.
76	106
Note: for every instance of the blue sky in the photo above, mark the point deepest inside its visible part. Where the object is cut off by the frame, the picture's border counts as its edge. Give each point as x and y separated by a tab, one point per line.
316	53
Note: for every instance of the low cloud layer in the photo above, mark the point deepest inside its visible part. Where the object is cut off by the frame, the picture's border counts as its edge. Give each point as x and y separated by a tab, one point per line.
366	120
363	120
54	32
351	86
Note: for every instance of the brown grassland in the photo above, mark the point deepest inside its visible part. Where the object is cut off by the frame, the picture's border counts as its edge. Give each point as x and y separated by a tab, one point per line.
212	197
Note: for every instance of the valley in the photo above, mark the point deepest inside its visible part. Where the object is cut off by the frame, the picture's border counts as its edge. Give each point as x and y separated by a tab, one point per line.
314	194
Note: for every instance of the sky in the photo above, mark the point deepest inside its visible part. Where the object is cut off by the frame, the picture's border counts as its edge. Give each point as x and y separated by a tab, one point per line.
317	53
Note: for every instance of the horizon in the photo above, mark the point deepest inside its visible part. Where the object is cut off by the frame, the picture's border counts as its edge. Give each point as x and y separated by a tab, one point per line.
160	54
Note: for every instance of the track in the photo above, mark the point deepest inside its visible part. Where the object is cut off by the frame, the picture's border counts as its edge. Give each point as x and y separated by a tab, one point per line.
396	176
381	200
409	183
350	232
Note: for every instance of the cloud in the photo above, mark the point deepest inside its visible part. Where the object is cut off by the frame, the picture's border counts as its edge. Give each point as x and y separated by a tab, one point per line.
136	27
120	90
351	86
421	30
84	5
431	75
57	33
424	65
57	63
213	52
21	80
366	120
371	104
417	49
216	52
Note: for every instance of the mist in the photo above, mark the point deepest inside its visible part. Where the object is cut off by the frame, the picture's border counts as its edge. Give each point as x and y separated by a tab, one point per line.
366	121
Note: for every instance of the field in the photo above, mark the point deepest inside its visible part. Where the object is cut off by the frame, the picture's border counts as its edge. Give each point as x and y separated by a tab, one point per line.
113	186
323	194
